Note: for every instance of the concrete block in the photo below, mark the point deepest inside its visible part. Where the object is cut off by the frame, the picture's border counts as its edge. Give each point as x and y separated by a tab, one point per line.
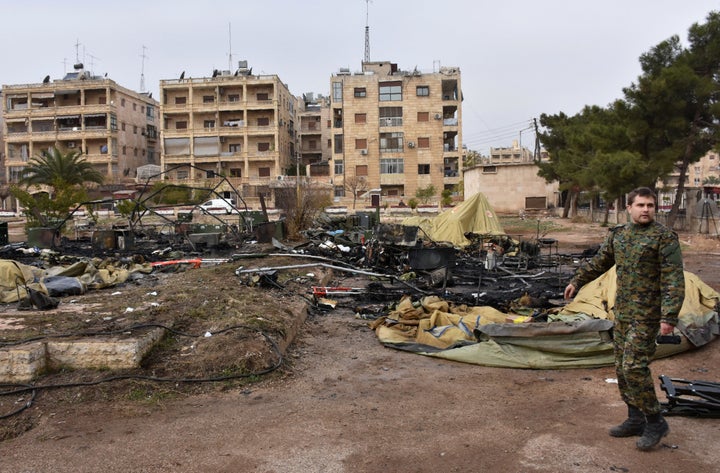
19	364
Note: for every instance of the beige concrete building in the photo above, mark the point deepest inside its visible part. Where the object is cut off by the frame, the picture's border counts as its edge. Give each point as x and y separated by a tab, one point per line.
510	155
701	180
233	124
114	127
511	188
394	132
3	178
314	132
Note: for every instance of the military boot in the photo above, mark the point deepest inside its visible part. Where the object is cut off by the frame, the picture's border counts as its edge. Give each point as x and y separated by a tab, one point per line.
633	425
655	430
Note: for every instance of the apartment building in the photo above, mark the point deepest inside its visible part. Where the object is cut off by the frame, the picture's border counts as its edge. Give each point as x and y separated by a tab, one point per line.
314	143
3	179
233	124
702	180
511	154
394	132
115	128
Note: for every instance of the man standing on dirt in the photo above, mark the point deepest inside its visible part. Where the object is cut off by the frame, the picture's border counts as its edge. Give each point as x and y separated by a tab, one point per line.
650	293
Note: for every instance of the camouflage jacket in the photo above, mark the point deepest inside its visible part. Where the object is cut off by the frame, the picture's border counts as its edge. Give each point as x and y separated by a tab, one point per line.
650	278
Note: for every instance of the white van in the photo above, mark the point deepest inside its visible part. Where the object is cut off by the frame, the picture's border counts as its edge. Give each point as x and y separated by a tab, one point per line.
218	206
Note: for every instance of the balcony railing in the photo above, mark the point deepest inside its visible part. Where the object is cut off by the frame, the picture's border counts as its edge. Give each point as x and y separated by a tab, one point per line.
394	121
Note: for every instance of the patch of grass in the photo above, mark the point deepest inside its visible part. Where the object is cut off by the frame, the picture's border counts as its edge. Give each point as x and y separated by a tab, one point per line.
148	395
513	225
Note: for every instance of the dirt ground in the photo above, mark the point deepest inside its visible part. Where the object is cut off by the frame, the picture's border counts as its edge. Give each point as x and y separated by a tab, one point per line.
340	402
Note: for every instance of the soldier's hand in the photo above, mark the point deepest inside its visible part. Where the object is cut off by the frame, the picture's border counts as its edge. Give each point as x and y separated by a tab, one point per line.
569	292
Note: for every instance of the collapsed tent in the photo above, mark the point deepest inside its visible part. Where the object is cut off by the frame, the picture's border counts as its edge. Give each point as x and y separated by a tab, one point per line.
64	280
474	215
576	336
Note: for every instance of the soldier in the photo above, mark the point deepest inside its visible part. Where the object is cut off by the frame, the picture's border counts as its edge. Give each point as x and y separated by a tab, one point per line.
650	293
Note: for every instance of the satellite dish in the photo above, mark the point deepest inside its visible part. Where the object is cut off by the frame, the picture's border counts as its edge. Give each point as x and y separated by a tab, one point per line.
46	79
182	76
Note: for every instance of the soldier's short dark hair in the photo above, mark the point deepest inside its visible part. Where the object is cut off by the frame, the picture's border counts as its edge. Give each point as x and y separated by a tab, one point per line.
642	192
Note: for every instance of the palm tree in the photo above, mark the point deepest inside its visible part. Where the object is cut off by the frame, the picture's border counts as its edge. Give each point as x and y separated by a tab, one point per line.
53	168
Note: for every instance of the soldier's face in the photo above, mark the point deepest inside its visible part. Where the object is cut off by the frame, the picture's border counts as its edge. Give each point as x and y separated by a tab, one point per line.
642	210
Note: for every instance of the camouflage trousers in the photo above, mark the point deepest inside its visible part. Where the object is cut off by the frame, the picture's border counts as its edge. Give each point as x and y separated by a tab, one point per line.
634	346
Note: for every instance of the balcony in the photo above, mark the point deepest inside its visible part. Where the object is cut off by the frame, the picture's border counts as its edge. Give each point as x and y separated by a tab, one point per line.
392	121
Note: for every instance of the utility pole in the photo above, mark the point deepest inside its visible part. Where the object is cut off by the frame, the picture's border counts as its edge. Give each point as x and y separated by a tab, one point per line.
536	153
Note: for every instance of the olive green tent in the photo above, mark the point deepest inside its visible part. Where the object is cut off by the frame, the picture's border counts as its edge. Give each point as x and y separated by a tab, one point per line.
578	336
474	215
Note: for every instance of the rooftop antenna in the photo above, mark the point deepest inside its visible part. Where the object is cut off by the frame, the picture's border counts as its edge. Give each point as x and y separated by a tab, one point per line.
142	69
77	50
367	31
230	61
92	61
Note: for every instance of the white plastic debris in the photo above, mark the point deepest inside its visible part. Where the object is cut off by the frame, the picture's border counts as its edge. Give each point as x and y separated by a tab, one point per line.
129	309
208	334
116	293
611	380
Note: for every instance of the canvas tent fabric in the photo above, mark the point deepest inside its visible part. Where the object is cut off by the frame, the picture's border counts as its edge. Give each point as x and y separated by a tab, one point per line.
474	215
90	274
578	336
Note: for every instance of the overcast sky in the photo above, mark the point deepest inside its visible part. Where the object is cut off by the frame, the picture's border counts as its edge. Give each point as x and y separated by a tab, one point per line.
518	58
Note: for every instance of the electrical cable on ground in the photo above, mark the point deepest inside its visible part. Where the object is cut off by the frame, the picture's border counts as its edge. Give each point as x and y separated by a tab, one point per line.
17	389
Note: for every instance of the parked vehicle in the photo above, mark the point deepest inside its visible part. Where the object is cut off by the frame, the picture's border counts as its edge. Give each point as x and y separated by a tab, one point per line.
218	205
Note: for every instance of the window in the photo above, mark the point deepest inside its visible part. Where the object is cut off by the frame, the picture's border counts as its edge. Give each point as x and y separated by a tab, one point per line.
178	125
209	123
263	147
360	92
338	144
208	98
102	100
113	122
124	150
263	96
134	129
235	172
263	121
423	116
360	118
423	142
391	166
135	151
361	143
339	191
122	102
339	166
235	148
312	125
361	170
489	170
264	172
122	126
180	100
422	91
134	107
391	116
337	91
390	91
390	142
312	144
182	175
423	169
234	98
